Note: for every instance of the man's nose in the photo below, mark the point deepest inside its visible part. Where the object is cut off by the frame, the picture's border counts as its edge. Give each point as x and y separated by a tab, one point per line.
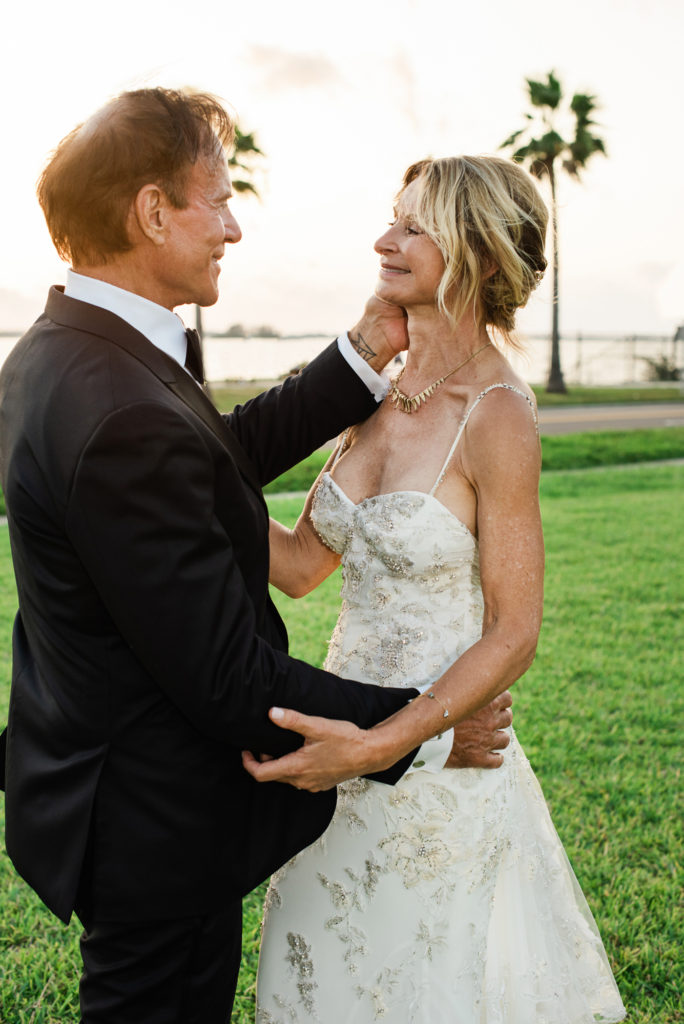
233	231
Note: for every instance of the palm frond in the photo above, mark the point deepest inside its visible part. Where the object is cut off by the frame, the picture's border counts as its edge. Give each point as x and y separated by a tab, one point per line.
246	143
584	145
582	104
240	185
545	94
245	149
511	139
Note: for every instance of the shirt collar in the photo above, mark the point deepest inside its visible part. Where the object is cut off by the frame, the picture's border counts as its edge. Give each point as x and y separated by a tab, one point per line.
159	325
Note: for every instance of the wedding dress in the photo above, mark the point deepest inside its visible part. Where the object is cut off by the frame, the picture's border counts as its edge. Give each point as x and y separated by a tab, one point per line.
448	898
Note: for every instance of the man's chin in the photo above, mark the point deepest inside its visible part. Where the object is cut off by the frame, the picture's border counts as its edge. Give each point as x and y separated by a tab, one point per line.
208	298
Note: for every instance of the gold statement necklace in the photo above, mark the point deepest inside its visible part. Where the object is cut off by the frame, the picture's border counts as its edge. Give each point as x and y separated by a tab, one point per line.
405	404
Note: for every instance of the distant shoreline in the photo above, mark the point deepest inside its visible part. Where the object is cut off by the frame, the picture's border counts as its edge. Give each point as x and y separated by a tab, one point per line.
598	360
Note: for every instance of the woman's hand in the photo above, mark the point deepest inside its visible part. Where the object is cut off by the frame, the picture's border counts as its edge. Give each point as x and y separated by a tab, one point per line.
333	751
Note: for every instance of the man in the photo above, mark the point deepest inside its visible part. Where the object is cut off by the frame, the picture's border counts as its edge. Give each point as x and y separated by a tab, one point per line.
146	649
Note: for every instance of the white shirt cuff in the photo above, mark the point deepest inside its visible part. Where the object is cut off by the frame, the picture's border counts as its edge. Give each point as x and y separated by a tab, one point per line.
377	383
433	755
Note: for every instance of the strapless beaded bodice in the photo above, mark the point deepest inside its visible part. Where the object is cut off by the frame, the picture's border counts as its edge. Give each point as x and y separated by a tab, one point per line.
411	595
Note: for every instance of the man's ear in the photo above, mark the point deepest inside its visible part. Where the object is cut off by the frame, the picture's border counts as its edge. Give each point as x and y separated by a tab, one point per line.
149	211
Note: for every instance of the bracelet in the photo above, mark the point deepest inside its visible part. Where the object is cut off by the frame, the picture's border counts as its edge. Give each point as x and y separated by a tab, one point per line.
433	696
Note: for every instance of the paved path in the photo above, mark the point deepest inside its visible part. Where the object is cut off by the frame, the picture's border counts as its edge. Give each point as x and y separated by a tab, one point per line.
571	419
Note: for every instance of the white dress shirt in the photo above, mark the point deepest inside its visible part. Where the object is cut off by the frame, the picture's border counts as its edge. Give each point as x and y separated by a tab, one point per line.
166	330
163	328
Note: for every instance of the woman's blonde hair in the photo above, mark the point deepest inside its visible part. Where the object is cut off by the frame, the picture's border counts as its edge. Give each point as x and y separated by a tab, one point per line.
489	221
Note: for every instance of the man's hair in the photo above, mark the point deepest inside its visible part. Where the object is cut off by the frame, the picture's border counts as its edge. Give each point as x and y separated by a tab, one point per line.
148	136
487	217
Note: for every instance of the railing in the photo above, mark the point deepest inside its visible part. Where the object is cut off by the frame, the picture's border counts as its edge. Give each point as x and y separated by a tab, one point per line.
593	359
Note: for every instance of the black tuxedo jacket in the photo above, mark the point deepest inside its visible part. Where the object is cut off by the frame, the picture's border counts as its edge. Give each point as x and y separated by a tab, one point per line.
146	650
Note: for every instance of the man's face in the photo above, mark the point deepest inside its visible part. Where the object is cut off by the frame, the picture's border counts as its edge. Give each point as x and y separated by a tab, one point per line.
196	237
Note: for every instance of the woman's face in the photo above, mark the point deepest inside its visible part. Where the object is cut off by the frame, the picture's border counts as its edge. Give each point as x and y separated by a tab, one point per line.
411	265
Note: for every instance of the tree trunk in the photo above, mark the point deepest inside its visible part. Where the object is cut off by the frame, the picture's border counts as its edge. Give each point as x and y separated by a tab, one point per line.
555	383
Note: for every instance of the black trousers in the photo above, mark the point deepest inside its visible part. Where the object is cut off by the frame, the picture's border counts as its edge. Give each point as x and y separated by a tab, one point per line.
161	972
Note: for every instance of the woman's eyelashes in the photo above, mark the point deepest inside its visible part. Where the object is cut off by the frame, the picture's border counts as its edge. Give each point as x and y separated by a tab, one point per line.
408	227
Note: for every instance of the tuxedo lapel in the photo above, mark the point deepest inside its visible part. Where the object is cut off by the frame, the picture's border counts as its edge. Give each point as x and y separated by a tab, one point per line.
186	388
85	317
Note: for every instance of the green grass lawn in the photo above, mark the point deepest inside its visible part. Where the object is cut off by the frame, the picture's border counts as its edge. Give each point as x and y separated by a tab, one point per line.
599	715
579	395
230	393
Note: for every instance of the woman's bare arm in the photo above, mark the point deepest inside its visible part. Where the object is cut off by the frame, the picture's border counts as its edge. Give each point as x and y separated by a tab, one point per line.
501	458
299	560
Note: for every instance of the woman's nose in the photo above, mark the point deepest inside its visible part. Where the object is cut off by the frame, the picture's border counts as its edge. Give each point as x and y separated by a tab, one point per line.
385	243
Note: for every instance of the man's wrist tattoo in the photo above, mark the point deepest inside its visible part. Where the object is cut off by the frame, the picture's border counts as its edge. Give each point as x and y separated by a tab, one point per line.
363	348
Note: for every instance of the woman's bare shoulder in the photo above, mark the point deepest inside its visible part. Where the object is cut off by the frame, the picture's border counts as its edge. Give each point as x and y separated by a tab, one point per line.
502	434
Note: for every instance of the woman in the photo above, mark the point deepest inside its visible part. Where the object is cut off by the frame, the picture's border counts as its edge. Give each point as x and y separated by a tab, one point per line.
447	898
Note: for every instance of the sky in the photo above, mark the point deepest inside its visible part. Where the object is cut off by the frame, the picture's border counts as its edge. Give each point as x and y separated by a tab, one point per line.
342	98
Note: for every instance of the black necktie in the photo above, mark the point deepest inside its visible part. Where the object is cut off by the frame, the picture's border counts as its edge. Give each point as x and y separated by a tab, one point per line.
193	356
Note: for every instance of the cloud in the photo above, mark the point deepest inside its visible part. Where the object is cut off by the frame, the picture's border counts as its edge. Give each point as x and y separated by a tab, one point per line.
283	69
406	88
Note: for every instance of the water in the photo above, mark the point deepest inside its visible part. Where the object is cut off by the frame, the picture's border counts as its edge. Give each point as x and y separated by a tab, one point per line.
592	361
589	361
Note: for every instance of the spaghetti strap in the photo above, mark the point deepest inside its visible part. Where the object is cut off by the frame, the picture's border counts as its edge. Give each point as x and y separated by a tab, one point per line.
340	449
466	417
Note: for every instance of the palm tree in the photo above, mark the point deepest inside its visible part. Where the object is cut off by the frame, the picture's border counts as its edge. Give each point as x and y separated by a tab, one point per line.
241	160
543	146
